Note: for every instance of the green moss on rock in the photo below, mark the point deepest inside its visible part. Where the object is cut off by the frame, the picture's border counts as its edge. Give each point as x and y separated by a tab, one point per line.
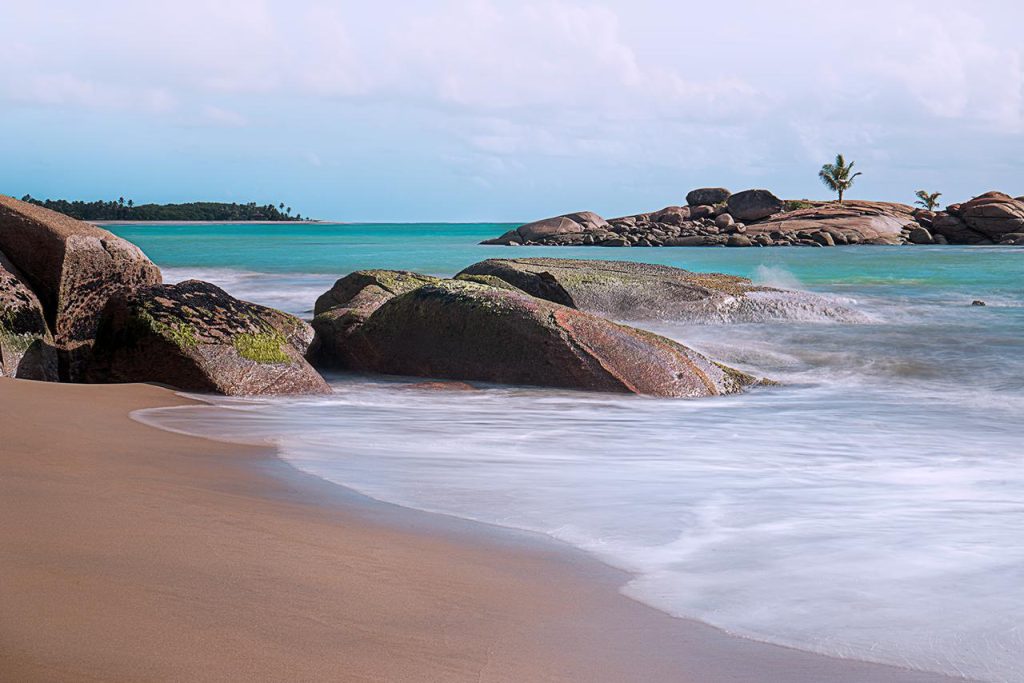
262	347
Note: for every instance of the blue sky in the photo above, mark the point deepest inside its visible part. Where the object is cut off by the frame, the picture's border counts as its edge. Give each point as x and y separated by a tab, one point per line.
491	110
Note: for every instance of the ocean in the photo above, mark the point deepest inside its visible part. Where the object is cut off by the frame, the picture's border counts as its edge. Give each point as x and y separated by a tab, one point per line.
870	507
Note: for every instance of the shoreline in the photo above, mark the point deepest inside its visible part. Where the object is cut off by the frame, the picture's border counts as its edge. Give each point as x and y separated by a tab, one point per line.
158	223
137	552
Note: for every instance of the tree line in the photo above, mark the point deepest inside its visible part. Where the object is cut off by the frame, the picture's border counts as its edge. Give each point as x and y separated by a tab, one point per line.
121	209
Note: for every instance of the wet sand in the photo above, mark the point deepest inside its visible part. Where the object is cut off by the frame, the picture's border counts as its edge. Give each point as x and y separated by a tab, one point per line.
134	554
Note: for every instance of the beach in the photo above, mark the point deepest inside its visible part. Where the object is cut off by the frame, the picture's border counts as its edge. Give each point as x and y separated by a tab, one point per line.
138	554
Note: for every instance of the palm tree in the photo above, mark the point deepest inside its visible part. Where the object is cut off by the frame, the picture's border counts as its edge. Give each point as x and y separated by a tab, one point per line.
928	201
837	176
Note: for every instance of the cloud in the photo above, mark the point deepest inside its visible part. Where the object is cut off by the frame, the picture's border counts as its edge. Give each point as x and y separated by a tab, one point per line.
223	117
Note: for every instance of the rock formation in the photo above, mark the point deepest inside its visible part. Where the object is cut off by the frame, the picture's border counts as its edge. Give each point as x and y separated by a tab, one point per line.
753	205
994	215
195	336
757	218
74	268
26	346
349	303
639	291
461	330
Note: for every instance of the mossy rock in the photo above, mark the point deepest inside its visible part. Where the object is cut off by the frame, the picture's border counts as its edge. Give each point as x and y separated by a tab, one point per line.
196	336
349	303
462	330
26	345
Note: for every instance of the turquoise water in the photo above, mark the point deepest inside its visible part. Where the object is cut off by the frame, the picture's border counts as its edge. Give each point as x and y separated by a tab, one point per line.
871	507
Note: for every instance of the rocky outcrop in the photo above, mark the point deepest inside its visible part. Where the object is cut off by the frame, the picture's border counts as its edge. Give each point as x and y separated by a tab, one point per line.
753	205
349	303
74	268
454	329
26	346
993	215
568	229
852	222
757	218
195	336
639	291
707	196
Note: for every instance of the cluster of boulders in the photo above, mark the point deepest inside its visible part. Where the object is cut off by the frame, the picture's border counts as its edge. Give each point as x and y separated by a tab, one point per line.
757	218
79	304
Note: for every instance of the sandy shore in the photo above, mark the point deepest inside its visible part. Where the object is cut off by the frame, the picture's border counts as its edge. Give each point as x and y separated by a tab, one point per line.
132	554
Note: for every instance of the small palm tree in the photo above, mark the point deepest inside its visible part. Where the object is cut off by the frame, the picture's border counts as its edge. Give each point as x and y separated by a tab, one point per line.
837	176
928	201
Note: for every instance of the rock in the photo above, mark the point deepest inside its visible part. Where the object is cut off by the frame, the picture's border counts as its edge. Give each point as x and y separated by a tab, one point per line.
579	223
753	205
672	215
639	291
953	229
939	239
352	300
461	330
688	241
993	214
701	211
738	240
195	336
1013	238
924	217
26	347
921	236
824	238
724	221
707	195
870	222
74	268
978	302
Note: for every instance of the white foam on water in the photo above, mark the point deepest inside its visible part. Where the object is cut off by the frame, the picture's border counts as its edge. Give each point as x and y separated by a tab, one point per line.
870	508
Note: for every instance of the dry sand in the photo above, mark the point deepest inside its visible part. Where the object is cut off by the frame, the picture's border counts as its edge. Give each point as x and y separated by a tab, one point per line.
132	554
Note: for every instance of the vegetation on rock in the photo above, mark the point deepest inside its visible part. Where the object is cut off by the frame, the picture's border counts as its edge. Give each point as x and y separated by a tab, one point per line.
837	176
928	201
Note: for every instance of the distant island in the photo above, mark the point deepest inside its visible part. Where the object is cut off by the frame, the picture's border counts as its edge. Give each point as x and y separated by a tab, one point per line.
122	210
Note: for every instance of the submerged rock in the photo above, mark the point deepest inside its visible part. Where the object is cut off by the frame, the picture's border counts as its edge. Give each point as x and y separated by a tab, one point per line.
195	336
454	329
74	268
639	291
26	346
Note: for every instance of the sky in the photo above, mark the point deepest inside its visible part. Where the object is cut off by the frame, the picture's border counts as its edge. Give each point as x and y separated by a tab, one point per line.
494	110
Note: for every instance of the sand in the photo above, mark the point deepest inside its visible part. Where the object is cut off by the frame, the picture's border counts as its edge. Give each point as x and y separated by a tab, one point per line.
132	554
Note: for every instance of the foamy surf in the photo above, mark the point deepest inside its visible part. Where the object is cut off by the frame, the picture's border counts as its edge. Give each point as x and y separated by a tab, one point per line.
870	508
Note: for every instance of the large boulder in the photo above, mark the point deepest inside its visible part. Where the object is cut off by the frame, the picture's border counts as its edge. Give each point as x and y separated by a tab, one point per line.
753	205
349	303
640	291
196	337
707	195
955	231
454	329
993	214
855	221
26	347
74	268
565	228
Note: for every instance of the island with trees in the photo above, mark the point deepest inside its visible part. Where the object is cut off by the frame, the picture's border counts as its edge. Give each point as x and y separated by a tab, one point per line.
714	216
127	210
